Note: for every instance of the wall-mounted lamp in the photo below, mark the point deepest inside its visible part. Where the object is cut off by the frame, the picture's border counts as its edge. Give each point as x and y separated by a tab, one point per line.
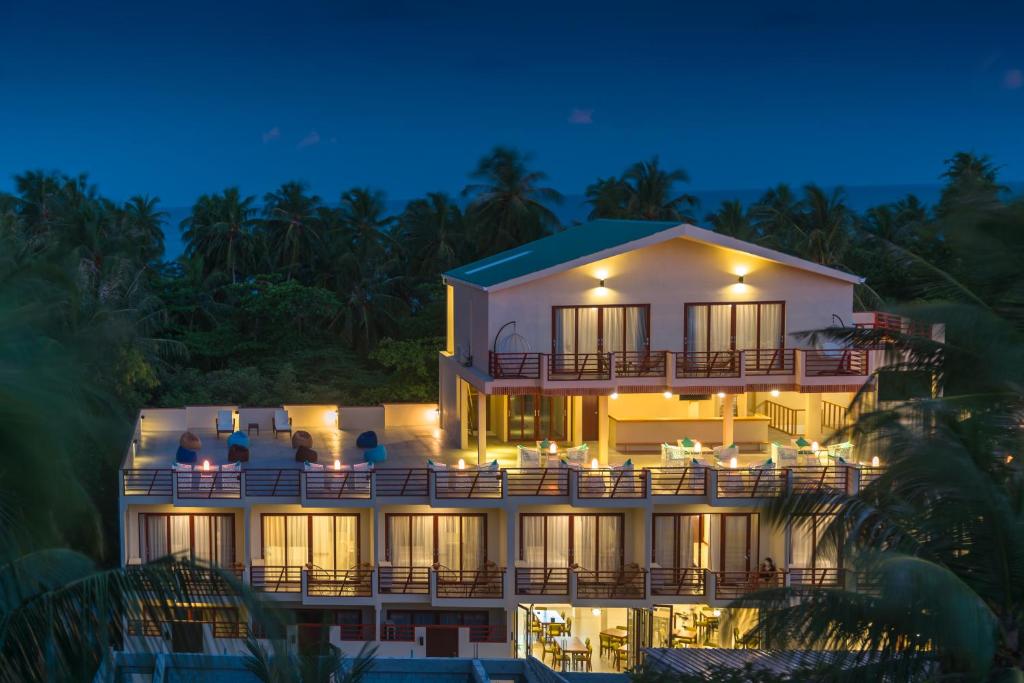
614	395
602	275
739	278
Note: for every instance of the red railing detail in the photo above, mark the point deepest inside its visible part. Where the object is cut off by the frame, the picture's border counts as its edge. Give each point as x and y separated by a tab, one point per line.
640	363
269	483
356	632
679	481
542	581
146	482
405	633
835	362
579	366
678	581
732	585
336	485
493	633
514	365
538	481
706	364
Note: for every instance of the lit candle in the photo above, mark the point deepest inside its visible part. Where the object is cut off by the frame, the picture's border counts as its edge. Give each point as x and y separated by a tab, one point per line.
462	464
814	446
337	464
553	447
697	446
874	461
593	463
732	462
206	465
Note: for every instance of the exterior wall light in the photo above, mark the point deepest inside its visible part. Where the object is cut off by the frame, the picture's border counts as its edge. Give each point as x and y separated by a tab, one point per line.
614	395
667	394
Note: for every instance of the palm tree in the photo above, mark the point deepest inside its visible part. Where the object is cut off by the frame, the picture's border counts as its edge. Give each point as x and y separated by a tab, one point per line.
363	226
733	220
508	207
291	220
327	666
649	192
971	184
776	215
433	233
824	227
220	229
607	198
143	223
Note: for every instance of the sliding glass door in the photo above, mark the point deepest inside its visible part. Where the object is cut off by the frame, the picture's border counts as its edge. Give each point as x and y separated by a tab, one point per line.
806	532
535	418
589	541
735	327
422	540
206	539
739	542
600	329
326	541
680	540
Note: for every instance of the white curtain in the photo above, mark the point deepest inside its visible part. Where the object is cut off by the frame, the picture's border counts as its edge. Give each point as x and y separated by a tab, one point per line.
802	544
323	542
609	541
636	328
613	329
533	539
771	326
664	545
473	550
448	541
587	329
156	538
297	553
225	539
399	531
565	330
735	555
558	540
696	328
273	540
346	542
422	540
721	328
180	540
746	326
584	538
203	548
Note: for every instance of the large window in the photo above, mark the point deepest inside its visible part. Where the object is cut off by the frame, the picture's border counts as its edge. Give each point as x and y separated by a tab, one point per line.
600	329
806	548
735	327
326	541
206	539
589	541
422	540
681	540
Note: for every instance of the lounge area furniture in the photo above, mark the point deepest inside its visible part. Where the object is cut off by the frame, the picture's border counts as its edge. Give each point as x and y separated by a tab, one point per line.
367	440
188	449
225	422
302	442
238	447
282	422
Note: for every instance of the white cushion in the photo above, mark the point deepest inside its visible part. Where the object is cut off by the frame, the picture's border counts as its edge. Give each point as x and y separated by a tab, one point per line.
362	466
313	467
281	418
182	466
231	467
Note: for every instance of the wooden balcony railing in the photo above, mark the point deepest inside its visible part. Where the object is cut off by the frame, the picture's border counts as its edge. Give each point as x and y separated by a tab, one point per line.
405	633
760	362
819	577
146	482
276	579
679	481
212	484
751	483
868	475
707	364
678	581
337	485
357	632
537	481
733	585
484	633
467	484
339	583
781	418
628	583
267	483
833	415
402	483
230	629
820	479
835	362
542	581
403	580
611	483
640	363
514	365
470	583
579	366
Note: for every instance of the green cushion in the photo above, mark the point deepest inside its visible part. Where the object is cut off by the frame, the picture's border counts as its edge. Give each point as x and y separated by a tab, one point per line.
687	442
545	443
802	442
732	445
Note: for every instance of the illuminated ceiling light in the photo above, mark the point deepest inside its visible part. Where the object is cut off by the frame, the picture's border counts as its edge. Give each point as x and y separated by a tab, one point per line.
721	394
775	393
614	395
667	394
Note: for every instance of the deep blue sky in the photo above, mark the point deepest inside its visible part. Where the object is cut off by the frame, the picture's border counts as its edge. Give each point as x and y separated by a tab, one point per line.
175	99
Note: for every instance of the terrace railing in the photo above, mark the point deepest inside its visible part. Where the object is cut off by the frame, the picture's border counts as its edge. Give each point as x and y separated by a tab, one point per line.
760	362
405	633
542	581
207	485
628	583
537	481
467	583
337	485
835	362
486	633
781	418
707	364
678	581
357	632
819	479
751	483
817	577
138	482
403	580
733	585
640	363
868	475
579	366
514	365
402	483
276	579
268	483
833	415
467	484
611	483
339	583
679	481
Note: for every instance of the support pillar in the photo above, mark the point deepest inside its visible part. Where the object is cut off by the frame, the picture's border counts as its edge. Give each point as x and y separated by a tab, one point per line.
728	426
602	430
481	428
812	419
462	396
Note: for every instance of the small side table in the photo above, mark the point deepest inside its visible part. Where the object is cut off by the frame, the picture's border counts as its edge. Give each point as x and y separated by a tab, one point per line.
252	426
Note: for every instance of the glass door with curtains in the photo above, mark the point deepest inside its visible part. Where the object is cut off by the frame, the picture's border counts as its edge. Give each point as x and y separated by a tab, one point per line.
522	631
717	328
739	543
535	418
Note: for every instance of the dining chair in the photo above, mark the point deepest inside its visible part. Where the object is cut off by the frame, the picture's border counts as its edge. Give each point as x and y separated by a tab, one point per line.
606	645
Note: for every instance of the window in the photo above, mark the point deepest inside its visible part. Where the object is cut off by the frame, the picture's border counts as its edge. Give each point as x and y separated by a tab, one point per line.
421	540
735	327
600	329
325	541
806	532
592	542
206	539
681	540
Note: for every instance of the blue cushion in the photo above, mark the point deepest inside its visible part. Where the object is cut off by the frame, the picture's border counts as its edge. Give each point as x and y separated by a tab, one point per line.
239	439
367	440
376	454
185	456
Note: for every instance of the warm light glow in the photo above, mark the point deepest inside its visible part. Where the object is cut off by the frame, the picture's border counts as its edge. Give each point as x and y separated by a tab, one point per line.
775	393
552	448
436	433
593	463
596	611
1009	459
667	394
697	446
721	394
742	271
462	464
614	395
874	461
206	465
814	447
733	462
331	417
717	613
602	274
432	415
337	464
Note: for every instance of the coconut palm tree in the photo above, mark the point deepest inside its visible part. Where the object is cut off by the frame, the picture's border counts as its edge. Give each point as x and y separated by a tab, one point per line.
433	233
733	220
971	184
508	207
143	226
607	198
291	221
645	191
220	229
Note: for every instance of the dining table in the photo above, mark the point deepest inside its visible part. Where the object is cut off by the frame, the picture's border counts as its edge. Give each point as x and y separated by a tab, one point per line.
571	646
616	634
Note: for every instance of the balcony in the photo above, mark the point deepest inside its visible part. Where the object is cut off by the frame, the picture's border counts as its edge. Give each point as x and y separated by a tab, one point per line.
733	585
146	483
514	365
271	483
819	577
628	583
820	479
579	366
339	583
708	364
769	362
641	363
403	580
835	362
462	583
537	482
751	483
202	485
276	579
338	485
679	481
467	484
549	581
615	484
678	581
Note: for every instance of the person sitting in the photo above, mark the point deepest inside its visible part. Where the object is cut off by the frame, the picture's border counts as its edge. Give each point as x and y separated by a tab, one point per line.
767	571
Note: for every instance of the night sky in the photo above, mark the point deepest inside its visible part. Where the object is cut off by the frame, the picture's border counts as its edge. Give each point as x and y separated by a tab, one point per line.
176	99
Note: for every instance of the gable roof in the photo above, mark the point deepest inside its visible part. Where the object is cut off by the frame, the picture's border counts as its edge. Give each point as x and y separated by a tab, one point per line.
600	239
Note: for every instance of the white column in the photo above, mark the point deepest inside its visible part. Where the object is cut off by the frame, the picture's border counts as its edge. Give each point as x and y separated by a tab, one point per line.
602	430
812	424
462	398
727	419
481	428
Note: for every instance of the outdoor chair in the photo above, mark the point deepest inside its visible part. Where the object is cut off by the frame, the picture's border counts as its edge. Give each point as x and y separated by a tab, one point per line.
282	422
225	422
